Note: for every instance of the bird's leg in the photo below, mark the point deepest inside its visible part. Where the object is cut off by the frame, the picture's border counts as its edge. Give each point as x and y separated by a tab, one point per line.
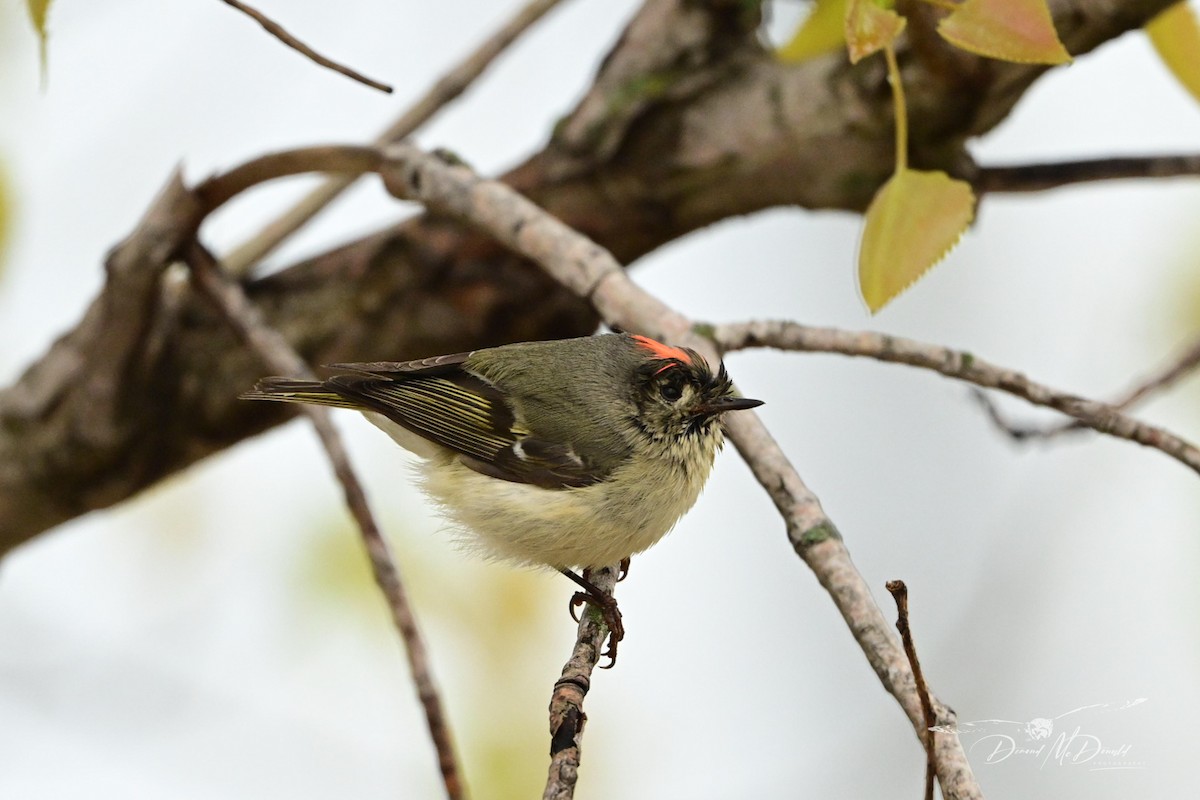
606	604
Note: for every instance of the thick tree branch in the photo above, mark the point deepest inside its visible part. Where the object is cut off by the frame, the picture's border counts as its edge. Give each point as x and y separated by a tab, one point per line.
964	366
589	270
75	410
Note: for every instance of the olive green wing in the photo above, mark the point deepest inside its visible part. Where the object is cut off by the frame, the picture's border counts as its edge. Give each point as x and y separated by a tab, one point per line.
439	400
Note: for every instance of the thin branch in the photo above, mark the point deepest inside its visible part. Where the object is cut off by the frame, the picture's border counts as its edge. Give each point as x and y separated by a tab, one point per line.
954	364
1182	366
900	595
1040	177
1014	431
591	271
566	701
350	160
276	30
279	357
446	89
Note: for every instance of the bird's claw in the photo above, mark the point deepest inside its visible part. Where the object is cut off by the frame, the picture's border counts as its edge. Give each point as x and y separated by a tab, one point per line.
606	604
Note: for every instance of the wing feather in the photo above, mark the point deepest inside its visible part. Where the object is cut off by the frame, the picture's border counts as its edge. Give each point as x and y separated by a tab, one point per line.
434	365
463	412
441	400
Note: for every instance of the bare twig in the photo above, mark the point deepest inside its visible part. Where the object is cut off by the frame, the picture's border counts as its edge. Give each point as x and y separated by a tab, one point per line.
1181	366
1019	433
566	702
276	30
446	89
591	271
278	356
1040	177
900	595
954	364
346	159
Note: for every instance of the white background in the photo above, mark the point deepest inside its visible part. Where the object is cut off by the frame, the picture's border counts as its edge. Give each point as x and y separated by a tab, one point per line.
215	638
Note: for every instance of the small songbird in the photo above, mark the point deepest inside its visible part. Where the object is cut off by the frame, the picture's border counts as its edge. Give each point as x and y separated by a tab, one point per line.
571	453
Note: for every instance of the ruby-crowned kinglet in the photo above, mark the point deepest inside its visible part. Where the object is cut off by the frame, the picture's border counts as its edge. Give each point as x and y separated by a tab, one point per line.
571	453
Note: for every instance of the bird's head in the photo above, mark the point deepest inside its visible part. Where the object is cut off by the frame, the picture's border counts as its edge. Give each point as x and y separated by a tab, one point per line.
677	393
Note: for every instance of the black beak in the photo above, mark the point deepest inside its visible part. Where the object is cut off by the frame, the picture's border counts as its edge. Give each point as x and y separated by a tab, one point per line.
723	404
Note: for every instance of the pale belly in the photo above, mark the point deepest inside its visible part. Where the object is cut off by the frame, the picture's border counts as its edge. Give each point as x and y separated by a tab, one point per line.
590	526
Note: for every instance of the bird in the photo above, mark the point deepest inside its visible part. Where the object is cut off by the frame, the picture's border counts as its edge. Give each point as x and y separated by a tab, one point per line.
569	454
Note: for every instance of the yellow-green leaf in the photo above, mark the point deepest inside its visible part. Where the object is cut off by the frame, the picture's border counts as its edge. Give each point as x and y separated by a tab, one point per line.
823	31
870	28
913	222
1012	30
1175	34
38	9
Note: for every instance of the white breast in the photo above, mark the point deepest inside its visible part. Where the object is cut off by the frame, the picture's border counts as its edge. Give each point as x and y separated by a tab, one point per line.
590	526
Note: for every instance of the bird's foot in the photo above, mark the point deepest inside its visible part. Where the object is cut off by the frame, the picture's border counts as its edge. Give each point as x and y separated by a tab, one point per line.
606	604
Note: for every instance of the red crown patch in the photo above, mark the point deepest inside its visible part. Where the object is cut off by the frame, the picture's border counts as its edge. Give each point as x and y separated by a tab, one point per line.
663	351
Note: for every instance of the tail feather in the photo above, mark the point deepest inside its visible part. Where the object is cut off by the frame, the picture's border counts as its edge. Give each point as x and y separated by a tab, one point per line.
292	390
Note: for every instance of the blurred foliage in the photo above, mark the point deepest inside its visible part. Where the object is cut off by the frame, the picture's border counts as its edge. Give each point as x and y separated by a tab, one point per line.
916	218
823	31
334	567
39	10
1010	30
1175	34
870	28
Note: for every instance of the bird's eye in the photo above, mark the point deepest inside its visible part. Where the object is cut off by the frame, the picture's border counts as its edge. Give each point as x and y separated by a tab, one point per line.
671	391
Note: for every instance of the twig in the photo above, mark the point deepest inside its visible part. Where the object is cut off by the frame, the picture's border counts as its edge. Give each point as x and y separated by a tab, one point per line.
1183	365
900	595
348	159
276	30
566	702
954	364
1019	433
447	88
1040	177
591	271
278	355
